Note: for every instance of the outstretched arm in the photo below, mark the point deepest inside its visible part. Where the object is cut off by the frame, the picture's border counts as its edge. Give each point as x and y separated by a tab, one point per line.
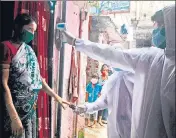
100	104
124	59
51	93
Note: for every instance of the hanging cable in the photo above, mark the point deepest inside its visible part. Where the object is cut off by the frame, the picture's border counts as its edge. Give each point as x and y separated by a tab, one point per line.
141	10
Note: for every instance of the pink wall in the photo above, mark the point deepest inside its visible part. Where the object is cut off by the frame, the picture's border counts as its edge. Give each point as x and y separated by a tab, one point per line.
73	22
55	73
82	82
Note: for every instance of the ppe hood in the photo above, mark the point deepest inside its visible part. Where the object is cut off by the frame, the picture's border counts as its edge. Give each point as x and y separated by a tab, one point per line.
169	20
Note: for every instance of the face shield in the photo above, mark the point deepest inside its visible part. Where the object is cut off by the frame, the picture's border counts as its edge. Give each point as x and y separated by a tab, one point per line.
167	90
169	21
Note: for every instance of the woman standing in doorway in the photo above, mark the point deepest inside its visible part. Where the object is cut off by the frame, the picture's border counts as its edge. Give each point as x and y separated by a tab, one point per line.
21	80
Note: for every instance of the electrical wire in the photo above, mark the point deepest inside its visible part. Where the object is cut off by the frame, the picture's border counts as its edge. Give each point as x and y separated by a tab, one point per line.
141	9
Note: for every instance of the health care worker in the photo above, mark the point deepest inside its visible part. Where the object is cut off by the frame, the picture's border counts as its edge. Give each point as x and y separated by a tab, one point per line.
117	97
153	107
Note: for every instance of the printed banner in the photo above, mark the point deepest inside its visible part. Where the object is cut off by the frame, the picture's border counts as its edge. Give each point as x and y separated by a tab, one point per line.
108	7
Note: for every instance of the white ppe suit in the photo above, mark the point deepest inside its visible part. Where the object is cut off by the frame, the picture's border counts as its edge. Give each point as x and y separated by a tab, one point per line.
153	106
117	97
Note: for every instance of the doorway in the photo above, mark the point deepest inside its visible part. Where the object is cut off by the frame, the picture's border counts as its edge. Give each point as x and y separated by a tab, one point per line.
6	25
7	16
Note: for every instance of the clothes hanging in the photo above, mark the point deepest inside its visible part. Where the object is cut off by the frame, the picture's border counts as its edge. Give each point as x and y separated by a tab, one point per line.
73	79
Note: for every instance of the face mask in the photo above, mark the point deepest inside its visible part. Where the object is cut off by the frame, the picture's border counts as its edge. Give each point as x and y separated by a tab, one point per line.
158	38
117	69
94	81
26	36
104	73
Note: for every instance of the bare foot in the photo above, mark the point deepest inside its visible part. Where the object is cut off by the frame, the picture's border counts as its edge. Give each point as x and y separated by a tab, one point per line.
101	124
90	125
94	125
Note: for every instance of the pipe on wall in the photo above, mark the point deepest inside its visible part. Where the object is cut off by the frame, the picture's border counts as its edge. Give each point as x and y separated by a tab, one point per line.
61	74
50	51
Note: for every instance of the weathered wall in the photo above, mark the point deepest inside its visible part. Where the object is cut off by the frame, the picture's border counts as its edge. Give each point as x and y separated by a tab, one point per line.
73	22
55	71
82	81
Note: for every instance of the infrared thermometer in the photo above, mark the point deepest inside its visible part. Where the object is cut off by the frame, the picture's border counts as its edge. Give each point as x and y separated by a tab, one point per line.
61	27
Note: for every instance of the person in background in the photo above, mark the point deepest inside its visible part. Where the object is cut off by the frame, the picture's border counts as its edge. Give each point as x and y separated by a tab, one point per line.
103	78
21	81
123	29
93	90
153	107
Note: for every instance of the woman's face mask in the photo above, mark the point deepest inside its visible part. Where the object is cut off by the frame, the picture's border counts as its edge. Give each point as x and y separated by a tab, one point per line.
158	37
26	36
94	80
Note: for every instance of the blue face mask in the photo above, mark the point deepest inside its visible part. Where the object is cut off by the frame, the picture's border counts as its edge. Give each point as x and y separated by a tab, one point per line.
117	69
158	38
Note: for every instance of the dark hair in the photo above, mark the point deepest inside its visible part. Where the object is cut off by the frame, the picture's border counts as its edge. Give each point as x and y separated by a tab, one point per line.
158	17
102	67
19	22
95	75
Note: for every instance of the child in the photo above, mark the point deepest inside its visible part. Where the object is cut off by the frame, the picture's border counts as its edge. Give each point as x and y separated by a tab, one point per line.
93	90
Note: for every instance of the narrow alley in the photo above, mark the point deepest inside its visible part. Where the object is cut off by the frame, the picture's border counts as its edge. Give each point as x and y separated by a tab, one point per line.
99	132
66	63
